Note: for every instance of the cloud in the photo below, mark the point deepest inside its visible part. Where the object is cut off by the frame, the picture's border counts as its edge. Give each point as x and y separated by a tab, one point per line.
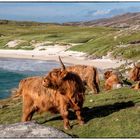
118	11
101	12
105	13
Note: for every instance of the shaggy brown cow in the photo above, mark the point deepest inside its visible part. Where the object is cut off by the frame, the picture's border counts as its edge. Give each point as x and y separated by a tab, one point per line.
88	74
112	80
135	73
58	91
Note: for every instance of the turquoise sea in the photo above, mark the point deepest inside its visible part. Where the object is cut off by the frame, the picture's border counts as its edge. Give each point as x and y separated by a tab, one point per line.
13	70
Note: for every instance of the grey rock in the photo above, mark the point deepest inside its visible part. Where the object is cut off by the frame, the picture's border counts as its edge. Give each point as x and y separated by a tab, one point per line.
30	130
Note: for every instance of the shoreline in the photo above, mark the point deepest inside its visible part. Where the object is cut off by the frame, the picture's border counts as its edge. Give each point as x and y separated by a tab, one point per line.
67	57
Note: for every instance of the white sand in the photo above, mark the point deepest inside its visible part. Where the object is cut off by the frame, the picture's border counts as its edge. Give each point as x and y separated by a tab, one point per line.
52	53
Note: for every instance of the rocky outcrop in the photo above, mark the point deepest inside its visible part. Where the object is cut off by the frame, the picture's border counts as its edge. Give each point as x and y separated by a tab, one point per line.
30	130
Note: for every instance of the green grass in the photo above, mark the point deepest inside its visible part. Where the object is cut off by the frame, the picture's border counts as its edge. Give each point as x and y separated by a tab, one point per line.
131	52
94	40
112	114
55	33
100	46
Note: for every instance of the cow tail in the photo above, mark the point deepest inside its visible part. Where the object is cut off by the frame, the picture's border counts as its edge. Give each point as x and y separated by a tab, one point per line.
97	80
16	93
97	77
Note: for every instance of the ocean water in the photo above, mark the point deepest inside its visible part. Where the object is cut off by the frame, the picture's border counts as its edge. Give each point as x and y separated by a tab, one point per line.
13	70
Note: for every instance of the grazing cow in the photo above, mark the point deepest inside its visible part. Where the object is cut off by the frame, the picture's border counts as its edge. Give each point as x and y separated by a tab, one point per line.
112	80
88	74
56	92
135	72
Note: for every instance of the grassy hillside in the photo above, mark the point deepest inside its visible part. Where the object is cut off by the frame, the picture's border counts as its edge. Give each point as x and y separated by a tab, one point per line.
54	33
114	114
94	40
116	42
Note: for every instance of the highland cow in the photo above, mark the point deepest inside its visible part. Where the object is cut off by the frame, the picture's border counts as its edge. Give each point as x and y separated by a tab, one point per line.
88	74
112	80
56	92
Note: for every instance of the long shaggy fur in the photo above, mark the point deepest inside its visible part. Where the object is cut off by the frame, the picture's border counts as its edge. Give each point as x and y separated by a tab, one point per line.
112	80
88	74
56	92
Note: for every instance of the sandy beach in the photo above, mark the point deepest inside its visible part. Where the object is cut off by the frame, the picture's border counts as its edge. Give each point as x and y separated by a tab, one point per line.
52	53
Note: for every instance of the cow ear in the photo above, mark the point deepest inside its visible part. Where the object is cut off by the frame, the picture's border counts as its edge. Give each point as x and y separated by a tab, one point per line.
64	73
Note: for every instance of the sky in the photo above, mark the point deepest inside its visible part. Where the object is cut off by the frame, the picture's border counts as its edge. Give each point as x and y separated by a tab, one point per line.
61	12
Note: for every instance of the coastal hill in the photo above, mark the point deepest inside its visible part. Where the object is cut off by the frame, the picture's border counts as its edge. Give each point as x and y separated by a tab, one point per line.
124	20
24	23
118	37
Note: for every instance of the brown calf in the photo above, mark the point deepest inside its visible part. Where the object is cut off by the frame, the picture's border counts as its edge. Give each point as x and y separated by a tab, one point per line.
58	91
112	80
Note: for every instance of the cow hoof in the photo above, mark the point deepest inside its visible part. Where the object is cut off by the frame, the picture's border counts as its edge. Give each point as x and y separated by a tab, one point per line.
67	127
81	122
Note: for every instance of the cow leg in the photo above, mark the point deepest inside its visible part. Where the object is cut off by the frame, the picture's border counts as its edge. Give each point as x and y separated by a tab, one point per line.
93	88
27	115
28	110
97	87
64	112
79	117
77	110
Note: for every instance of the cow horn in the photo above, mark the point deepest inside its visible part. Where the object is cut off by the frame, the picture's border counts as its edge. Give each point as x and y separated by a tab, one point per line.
63	66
